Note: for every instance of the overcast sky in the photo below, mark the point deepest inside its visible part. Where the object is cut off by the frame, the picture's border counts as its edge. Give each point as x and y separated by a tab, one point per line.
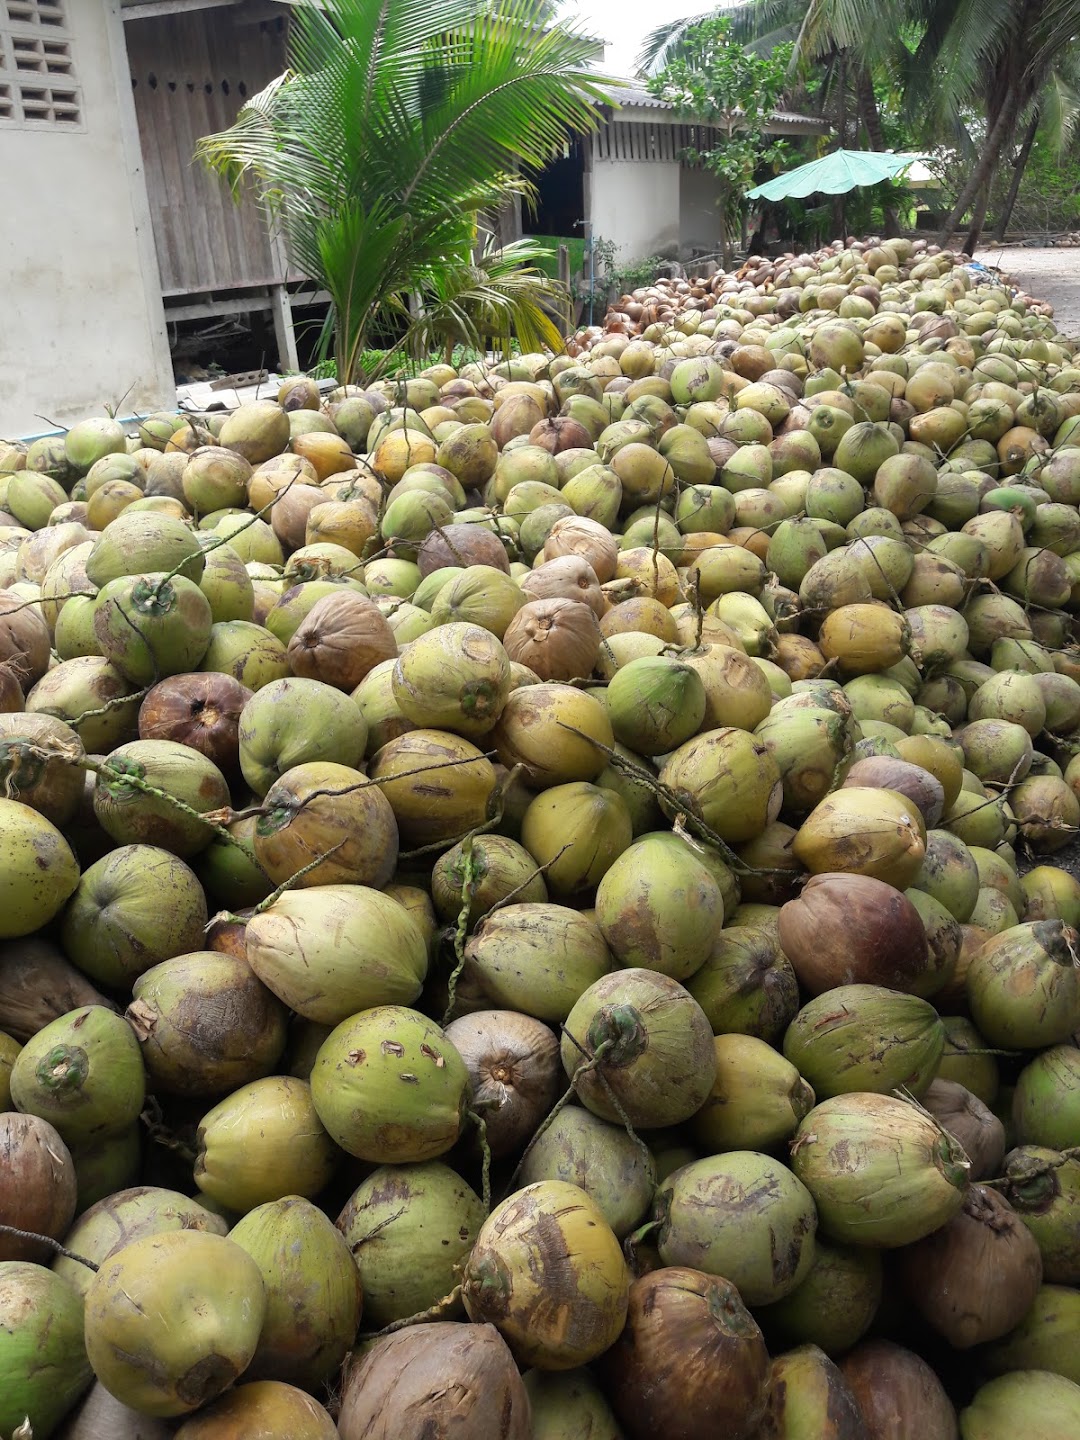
625	23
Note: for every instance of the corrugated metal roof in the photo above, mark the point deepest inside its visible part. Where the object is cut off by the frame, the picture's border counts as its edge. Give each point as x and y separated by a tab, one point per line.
629	93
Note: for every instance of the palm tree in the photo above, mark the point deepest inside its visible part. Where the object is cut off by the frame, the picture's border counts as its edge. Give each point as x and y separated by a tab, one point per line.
1002	53
396	126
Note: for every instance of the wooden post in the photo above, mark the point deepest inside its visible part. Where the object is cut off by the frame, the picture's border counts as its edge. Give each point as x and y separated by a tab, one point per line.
281	306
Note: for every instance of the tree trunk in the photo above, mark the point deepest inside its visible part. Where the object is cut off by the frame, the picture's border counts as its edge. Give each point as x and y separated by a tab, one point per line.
841	130
981	176
725	243
971	239
875	134
1019	166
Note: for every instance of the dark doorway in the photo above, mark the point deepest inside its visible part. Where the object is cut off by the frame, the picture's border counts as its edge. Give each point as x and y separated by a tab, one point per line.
560	202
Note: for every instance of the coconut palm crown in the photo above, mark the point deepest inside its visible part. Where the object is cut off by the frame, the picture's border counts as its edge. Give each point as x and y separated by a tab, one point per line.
396	126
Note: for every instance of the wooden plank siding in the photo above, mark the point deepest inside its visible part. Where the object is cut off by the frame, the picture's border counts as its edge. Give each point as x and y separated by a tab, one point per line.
190	74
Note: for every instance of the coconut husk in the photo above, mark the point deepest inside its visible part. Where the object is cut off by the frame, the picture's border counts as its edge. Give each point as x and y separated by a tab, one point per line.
435	1380
37	984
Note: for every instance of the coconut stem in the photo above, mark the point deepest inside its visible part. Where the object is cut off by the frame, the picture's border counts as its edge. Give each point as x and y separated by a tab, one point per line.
227	916
1037	1168
668	797
615	1103
461	928
560	1105
434	1313
53	1245
485	1173
160	1133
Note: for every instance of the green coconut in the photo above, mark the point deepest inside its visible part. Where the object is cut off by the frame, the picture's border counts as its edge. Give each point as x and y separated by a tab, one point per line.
807	1392
74	633
122	1217
881	1172
757	1100
206	1024
1037	1404
456	677
1043	1187
228	870
143	544
104	1165
747	985
537	958
481	873
313	1292
409	1229
247	652
259	1408
729	779
833	1306
261	1143
1046	1101
131	815
576	832
334	950
659	906
228	587
293	722
601	1159
83	1073
742	1215
133	908
1023	986
808	745
150	626
567	1404
43	1363
655	703
866	1038
90	440
389	1087
1046	1337
965	1060
38	871
173	1319
322	824
640	1047
949	874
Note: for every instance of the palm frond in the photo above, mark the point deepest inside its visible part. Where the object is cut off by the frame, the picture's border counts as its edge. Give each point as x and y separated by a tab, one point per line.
1059	109
396	125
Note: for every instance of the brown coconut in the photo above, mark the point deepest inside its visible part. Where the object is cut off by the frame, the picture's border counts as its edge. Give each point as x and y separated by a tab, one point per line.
340	639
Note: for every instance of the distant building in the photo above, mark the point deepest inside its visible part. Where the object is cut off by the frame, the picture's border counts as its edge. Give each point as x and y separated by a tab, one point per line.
628	183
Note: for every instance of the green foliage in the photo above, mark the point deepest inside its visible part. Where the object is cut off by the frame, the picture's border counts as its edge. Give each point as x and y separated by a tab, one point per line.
1049	198
396	126
711	78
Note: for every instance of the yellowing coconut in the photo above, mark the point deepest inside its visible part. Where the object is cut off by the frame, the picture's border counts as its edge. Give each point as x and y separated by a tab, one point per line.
864	832
863	639
549	1273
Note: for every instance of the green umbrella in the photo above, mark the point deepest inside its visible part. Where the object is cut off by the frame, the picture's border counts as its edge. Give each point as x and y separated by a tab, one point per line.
834	174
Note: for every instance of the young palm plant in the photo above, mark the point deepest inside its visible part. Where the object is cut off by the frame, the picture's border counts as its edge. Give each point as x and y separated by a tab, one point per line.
396	126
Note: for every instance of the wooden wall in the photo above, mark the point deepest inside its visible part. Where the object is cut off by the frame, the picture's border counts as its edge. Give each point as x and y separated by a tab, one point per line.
190	74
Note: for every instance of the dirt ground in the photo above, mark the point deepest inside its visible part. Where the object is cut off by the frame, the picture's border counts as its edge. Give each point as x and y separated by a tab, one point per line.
1051	274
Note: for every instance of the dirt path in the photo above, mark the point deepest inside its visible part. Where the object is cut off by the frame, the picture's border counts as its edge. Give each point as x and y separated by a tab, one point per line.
1052	274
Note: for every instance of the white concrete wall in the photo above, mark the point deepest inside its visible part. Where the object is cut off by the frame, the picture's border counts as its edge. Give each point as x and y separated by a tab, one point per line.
81	319
699	218
635	203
